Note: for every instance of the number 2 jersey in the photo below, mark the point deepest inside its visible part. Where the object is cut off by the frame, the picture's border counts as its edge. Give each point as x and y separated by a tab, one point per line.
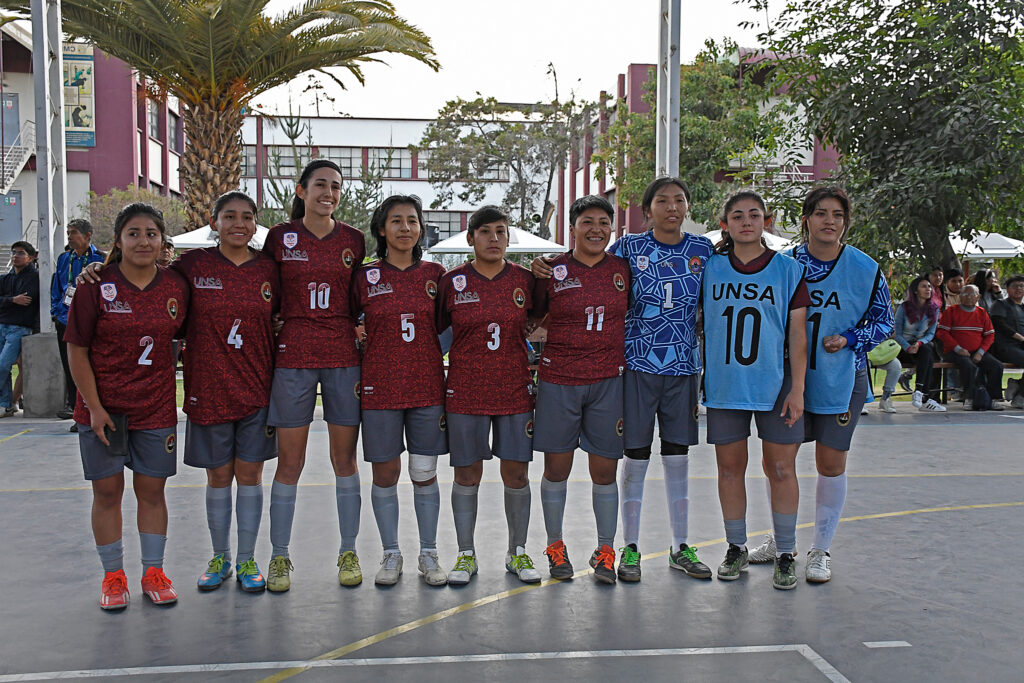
488	371
661	325
229	337
402	365
586	327
316	276
128	332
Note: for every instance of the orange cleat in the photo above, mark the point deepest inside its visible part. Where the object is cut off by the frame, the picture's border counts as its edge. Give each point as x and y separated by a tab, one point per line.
114	592
157	587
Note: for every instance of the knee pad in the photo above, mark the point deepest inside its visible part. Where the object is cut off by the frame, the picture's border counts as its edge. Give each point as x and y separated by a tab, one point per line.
638	453
669	448
422	467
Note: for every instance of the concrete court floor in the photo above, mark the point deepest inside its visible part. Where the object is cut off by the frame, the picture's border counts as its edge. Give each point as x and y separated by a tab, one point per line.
925	584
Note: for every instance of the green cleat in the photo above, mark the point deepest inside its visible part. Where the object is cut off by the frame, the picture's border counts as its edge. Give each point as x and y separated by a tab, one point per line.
784	577
349	571
735	562
685	559
279	574
629	564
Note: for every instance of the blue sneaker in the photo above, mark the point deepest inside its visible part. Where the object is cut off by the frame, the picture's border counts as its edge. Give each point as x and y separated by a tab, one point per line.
218	570
250	577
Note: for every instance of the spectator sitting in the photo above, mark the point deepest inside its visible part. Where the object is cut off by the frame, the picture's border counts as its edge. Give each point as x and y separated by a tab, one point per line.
989	290
914	330
19	315
1008	320
936	276
967	332
953	281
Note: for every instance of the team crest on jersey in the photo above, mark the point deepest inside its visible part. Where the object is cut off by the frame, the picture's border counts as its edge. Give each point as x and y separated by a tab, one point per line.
561	272
844	419
358	391
431	289
618	428
373	276
108	290
529	428
642	262
170	443
695	264
443	423
172	308
519	296
348	257
290	239
619	282
266	291
270	431
459	282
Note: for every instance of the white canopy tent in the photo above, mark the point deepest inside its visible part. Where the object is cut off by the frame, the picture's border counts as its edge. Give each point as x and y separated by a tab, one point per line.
774	242
203	237
986	246
519	242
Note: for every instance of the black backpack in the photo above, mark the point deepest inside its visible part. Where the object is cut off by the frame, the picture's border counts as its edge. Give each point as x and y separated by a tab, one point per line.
982	401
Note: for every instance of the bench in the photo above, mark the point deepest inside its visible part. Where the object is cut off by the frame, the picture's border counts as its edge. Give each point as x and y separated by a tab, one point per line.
942	390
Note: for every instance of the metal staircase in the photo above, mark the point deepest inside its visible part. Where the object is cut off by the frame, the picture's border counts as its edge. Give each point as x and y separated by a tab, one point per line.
16	155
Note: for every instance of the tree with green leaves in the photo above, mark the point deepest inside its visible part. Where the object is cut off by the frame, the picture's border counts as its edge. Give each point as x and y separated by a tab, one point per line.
215	56
102	209
925	101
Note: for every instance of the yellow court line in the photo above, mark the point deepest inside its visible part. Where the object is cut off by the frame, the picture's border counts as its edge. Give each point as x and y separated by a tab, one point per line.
8	438
487	600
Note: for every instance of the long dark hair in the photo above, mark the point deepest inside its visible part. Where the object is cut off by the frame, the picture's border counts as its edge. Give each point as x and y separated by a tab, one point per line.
380	218
298	205
657	184
815	197
980	280
231	196
915	311
126	214
726	244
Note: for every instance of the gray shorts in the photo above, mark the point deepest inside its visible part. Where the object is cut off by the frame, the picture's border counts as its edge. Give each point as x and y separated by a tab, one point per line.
249	439
726	425
293	396
672	398
152	452
425	431
587	416
468	437
836	431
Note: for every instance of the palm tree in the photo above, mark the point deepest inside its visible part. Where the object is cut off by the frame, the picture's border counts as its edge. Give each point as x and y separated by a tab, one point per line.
215	56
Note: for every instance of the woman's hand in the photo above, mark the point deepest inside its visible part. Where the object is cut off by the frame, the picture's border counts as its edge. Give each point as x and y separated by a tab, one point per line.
913	348
99	420
90	273
794	406
541	267
833	342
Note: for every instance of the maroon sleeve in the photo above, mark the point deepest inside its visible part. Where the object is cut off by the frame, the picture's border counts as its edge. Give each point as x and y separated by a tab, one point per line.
801	297
444	320
82	315
268	244
355	303
531	283
540	298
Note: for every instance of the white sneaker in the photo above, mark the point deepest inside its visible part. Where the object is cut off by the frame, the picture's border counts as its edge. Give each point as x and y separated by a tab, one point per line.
885	405
969	404
918	399
430	569
464	569
819	566
763	553
390	569
999	404
932	406
864	409
521	565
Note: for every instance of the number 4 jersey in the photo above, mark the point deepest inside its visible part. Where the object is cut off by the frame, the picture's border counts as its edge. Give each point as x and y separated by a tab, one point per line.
488	372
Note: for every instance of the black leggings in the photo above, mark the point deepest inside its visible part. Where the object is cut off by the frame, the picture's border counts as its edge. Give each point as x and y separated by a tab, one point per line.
923	361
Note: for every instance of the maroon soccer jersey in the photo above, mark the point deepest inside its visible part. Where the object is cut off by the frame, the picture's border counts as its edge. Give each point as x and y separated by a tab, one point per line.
586	329
488	372
316	276
128	332
402	366
229	350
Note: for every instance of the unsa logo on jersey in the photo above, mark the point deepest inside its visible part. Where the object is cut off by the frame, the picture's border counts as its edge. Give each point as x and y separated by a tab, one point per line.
619	281
459	282
290	239
373	276
172	308
695	264
348	257
266	291
519	296
108	290
642	262
561	272
431	289
170	443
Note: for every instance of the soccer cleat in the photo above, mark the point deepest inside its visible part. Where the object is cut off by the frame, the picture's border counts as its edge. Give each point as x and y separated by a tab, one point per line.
114	591
349	571
784	577
904	379
389	572
558	561
216	571
157	587
885	406
932	406
603	563
629	564
249	576
764	553
521	565
819	566
464	569
8	412
735	562
279	574
65	413
430	569
917	399
685	559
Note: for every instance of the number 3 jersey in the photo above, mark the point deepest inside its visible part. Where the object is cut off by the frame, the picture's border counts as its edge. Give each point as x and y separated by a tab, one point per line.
128	332
229	339
488	371
746	315
402	366
586	327
316	276
661	325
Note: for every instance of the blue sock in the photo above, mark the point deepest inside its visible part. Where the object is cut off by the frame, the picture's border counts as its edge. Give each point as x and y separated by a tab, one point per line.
218	518
736	531
249	510
785	532
152	546
349	500
282	511
111	556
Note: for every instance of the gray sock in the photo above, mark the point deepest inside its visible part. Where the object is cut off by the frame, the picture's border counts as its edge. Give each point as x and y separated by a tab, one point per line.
552	502
427	502
384	501
346	491
517	516
152	546
249	511
111	556
785	532
464	504
218	517
736	531
282	510
606	510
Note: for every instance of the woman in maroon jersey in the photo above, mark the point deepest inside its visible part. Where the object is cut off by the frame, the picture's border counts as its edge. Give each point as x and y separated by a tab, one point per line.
119	348
402	381
317	257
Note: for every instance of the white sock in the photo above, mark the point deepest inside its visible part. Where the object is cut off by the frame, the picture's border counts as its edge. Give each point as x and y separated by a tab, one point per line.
632	487
828	508
677	484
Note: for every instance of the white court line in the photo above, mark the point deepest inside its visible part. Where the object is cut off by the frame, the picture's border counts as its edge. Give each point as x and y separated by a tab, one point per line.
806	651
1013	417
887	643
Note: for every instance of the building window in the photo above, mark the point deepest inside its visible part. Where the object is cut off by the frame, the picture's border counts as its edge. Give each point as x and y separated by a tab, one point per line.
286	161
153	114
249	160
496	171
422	164
349	159
448	222
393	162
174	132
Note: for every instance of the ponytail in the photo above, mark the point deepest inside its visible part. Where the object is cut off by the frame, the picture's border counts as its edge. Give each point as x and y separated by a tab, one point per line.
298	205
